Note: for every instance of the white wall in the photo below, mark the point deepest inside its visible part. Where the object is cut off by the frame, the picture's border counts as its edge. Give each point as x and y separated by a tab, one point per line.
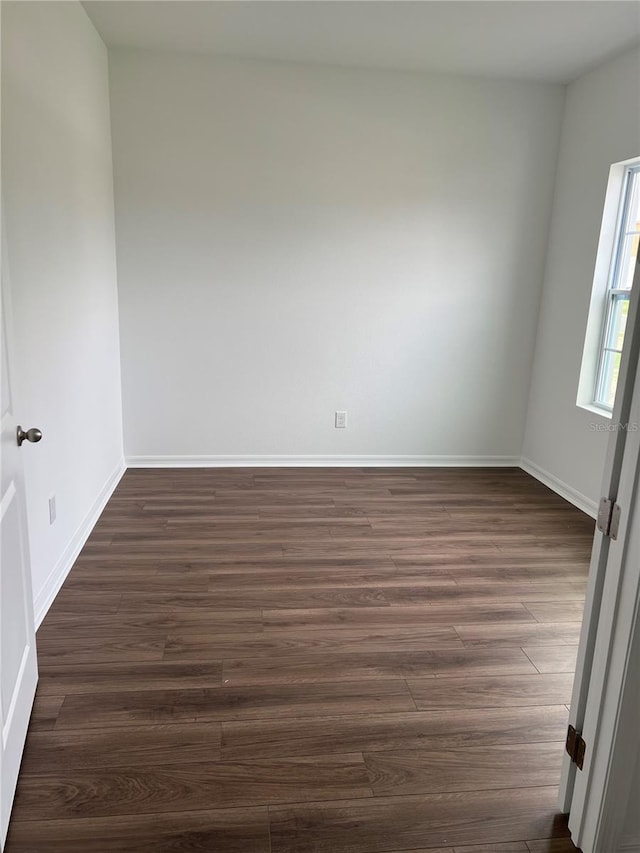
57	191
600	127
294	240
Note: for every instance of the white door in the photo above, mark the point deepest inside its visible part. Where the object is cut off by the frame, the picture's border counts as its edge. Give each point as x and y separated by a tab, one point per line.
610	730
18	667
609	621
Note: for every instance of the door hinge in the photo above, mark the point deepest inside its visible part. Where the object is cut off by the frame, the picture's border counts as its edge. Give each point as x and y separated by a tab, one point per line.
608	518
576	747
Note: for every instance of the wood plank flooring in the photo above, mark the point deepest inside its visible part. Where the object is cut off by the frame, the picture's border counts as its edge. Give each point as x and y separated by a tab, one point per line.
309	661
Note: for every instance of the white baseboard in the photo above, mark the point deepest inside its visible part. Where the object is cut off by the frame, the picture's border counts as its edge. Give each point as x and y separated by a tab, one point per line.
44	598
629	845
559	487
319	461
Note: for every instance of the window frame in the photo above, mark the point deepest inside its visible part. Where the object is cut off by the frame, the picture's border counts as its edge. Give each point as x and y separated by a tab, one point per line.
613	294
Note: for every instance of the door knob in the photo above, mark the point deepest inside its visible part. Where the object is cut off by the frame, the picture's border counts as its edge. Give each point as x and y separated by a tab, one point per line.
34	435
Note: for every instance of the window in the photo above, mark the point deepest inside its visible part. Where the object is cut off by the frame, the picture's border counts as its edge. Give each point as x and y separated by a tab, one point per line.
618	291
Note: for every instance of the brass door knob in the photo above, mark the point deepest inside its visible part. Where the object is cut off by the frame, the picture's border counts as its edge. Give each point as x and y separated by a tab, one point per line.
33	435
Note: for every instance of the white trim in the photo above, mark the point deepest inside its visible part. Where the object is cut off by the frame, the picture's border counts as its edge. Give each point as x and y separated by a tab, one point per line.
561	488
605	705
604	265
629	845
320	461
607	414
58	574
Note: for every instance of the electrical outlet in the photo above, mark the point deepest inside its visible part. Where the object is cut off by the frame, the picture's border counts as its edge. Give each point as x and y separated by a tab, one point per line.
341	420
52	509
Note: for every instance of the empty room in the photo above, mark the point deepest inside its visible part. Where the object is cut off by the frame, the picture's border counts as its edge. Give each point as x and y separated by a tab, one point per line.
320	472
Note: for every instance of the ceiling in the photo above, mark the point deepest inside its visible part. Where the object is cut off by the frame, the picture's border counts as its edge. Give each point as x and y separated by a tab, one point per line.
545	40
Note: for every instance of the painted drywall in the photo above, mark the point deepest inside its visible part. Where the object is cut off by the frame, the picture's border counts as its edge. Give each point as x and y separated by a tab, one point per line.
600	127
57	186
295	240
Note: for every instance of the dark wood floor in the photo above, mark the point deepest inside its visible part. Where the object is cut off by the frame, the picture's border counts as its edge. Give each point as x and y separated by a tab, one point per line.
309	661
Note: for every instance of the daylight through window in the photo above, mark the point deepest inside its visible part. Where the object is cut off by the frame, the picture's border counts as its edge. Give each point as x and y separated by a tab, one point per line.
618	291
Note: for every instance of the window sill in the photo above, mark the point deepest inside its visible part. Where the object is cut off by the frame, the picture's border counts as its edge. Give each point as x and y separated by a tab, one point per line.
595	410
